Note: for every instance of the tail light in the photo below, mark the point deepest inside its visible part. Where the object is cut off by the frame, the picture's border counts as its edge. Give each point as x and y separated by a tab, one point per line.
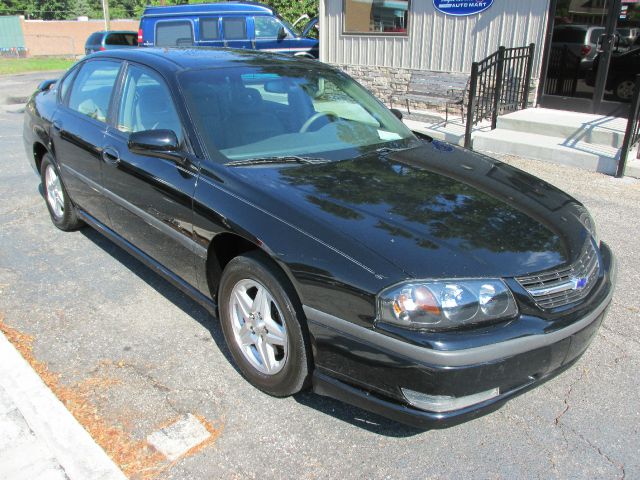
102	49
585	50
139	36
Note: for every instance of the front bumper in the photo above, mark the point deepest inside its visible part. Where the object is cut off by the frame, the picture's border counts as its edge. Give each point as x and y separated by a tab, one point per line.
369	369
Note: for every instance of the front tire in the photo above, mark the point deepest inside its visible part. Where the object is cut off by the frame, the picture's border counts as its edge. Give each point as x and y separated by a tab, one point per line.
61	210
263	326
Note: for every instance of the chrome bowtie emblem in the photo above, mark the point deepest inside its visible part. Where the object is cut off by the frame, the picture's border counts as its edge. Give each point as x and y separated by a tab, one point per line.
579	283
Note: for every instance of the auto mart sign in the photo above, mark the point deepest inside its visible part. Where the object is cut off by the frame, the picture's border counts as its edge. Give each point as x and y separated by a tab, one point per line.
456	7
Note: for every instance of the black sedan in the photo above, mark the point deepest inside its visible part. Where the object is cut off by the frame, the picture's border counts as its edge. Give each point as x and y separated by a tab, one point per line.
339	251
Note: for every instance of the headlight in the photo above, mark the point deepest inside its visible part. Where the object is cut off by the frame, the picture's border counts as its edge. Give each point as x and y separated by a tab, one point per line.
445	304
587	221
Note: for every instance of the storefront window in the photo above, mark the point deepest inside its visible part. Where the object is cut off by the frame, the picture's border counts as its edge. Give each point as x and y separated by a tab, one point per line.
376	16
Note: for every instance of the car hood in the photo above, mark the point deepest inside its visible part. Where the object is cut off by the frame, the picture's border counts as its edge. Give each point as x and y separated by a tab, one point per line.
432	211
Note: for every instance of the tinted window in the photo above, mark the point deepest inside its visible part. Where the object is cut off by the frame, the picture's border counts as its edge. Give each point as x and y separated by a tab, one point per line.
267	27
234	28
364	16
174	34
92	89
128	39
248	112
146	103
569	35
209	29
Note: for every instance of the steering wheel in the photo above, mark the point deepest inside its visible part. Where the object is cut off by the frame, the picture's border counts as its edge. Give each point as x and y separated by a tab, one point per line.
313	118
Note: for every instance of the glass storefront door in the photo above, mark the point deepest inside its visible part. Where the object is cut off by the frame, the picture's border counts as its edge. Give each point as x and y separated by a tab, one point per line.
592	55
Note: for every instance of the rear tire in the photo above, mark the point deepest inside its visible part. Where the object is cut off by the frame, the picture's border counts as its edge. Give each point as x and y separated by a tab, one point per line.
61	210
264	326
624	89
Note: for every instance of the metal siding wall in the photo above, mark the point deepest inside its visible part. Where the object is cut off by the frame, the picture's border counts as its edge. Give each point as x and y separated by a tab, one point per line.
436	41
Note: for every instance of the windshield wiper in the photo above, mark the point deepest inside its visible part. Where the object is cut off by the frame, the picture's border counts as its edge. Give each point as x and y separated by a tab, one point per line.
387	150
275	160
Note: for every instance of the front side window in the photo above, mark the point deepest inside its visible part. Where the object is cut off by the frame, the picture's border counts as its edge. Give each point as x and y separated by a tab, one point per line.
267	27
209	29
91	91
65	84
174	34
253	112
146	104
376	16
234	28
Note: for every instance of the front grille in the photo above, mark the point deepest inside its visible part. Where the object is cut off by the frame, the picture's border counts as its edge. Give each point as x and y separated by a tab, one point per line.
568	285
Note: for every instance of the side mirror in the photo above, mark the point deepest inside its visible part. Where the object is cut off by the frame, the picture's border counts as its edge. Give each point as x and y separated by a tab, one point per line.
153	141
397	113
282	33
46	85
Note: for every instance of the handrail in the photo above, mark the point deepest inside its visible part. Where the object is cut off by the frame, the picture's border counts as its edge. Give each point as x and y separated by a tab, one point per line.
499	83
632	133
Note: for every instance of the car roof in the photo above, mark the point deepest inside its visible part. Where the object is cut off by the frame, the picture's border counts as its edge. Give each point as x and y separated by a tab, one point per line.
227	7
175	59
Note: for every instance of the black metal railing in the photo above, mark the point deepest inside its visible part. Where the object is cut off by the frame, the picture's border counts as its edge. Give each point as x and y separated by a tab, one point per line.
632	134
500	83
562	73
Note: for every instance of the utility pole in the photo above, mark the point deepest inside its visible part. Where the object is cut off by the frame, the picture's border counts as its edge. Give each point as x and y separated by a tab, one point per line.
105	11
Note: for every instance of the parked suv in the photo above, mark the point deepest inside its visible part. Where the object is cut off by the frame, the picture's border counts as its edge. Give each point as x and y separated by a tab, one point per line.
108	40
582	40
236	25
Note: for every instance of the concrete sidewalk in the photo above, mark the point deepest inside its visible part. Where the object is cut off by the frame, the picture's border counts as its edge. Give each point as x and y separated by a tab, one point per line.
40	438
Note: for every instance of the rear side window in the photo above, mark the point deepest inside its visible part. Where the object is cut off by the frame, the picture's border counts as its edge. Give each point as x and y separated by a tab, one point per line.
569	35
174	34
92	88
234	28
209	29
127	39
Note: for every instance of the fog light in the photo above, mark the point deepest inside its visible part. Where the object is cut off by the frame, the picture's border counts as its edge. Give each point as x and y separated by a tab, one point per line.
443	403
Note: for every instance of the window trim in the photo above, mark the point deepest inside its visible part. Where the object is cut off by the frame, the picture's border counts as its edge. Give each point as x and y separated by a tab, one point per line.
174	21
374	34
72	72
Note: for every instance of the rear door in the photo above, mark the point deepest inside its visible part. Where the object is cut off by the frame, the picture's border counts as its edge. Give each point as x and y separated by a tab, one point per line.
174	33
235	33
78	131
150	198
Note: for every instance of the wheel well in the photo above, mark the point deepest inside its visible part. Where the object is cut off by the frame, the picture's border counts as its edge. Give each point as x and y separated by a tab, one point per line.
224	248
39	151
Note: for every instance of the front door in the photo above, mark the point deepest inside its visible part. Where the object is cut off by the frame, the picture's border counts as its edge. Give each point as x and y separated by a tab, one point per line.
149	198
589	56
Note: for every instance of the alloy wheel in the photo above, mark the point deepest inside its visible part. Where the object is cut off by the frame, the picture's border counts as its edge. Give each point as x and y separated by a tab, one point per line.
624	90
55	194
258	326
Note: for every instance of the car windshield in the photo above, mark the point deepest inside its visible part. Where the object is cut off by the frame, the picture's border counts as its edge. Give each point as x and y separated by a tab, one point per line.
273	111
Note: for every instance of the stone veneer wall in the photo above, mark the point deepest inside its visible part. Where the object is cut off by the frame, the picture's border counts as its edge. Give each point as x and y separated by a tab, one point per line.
388	84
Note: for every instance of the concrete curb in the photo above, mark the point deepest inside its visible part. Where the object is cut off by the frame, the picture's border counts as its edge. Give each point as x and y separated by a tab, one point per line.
75	450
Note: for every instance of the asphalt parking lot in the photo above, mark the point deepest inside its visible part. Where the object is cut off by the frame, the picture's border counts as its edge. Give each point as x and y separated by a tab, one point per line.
133	353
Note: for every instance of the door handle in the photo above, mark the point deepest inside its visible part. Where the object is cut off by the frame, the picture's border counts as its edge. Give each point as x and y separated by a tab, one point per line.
110	155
